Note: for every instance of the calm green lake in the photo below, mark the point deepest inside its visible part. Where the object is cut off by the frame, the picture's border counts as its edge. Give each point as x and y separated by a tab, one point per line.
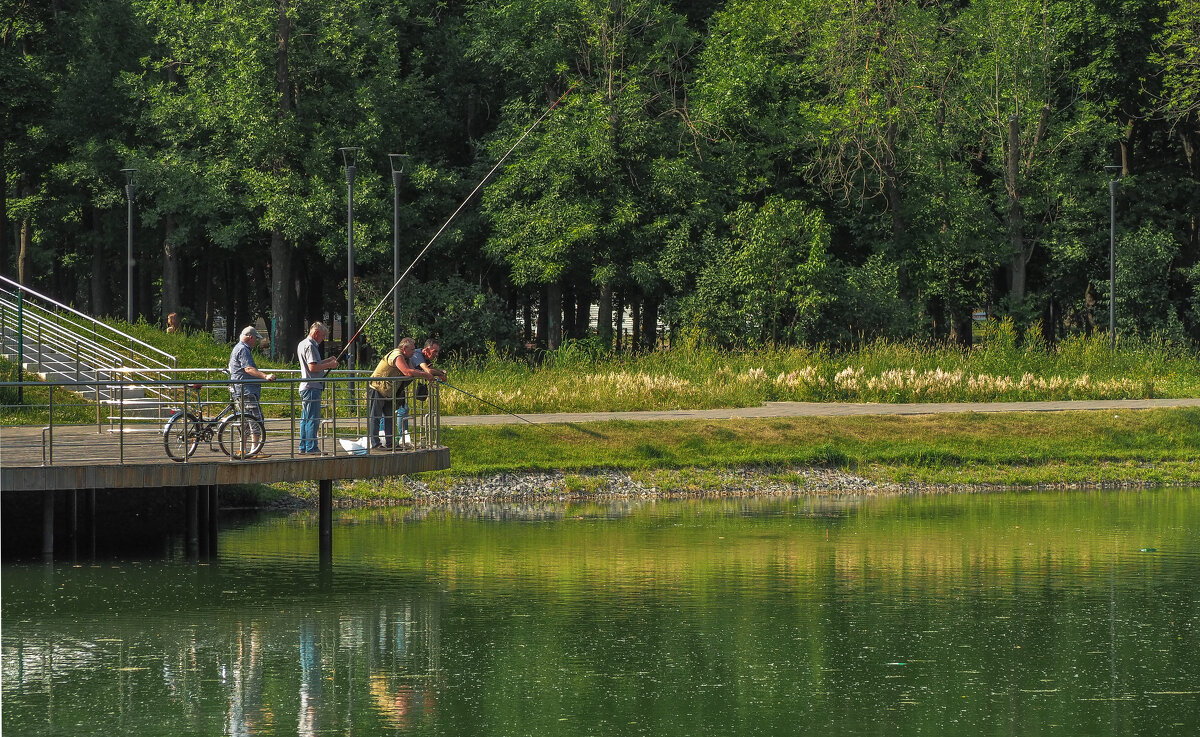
1013	614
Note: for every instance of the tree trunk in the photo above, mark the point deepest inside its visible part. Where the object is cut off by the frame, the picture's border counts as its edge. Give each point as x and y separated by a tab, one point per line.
23	255
100	304
936	309
283	277
583	312
650	324
1016	217
961	327
553	314
1127	146
206	314
604	323
24	250
1188	141
281	293
244	312
568	311
543	321
145	290
170	271
316	292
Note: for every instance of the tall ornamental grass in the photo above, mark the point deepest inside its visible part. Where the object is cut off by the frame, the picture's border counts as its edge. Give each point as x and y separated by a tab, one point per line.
998	367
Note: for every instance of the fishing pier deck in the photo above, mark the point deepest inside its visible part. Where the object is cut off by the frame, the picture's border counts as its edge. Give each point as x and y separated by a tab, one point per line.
67	465
83	458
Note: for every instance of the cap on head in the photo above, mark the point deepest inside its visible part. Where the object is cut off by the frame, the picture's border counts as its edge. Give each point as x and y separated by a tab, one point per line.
250	332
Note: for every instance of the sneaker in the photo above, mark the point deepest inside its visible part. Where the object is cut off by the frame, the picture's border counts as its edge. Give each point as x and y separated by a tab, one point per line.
257	456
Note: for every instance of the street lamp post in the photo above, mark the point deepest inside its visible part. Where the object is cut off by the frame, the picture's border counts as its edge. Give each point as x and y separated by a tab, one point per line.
129	190
397	162
349	156
1114	171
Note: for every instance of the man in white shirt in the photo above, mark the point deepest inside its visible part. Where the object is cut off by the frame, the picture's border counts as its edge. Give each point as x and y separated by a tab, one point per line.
312	369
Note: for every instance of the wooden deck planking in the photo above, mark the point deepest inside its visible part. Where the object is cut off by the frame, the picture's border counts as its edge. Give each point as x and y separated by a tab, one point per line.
86	459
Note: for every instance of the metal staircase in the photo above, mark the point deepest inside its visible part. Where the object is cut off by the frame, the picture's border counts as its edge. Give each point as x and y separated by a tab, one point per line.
58	343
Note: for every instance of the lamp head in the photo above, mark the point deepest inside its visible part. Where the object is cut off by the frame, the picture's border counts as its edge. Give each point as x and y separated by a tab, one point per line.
398	162
128	175
349	155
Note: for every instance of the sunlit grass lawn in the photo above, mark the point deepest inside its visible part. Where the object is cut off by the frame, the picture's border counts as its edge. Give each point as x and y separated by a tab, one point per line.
1153	446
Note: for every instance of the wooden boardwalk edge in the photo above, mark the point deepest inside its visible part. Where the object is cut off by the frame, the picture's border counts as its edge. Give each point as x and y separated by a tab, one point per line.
272	470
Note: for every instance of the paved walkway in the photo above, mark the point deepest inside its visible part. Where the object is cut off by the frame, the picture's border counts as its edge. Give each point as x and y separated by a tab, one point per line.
823	409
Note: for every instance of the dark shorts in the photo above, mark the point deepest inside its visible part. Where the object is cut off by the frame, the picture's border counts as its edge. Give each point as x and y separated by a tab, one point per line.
248	405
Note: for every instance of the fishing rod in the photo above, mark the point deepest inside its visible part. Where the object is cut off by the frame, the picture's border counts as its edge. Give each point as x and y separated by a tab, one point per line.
451	219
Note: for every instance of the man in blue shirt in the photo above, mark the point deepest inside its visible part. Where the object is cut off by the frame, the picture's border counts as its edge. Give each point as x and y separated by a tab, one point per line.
312	367
243	372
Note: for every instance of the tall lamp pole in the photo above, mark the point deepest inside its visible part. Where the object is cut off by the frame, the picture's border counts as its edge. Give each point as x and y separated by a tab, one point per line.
349	156
129	190
398	161
1114	172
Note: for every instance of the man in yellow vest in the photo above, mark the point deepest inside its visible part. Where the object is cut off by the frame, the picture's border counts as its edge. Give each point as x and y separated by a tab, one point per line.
387	391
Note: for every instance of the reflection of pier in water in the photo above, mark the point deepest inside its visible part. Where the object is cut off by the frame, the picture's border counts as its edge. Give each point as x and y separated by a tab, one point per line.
271	670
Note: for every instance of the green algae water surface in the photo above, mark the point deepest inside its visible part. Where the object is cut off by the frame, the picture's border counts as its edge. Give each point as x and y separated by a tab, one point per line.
1064	613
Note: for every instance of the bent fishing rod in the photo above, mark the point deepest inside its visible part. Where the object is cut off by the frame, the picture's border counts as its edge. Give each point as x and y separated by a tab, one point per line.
453	215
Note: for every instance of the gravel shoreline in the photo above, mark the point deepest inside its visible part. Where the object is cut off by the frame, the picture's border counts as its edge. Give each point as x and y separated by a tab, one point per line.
615	485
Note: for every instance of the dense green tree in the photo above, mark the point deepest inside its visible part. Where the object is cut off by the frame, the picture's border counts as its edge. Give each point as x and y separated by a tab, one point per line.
750	171
578	204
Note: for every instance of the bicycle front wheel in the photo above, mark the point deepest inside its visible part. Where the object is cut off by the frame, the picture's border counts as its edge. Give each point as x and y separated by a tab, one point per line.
241	436
181	436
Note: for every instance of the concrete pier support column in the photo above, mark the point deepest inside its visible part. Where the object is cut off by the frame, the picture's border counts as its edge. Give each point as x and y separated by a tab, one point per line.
326	518
48	524
192	509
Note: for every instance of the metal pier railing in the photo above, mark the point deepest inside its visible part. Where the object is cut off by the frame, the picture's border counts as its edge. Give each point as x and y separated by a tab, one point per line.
85	422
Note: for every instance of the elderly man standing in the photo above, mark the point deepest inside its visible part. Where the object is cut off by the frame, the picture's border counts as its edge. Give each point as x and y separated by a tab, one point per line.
312	368
244	390
387	392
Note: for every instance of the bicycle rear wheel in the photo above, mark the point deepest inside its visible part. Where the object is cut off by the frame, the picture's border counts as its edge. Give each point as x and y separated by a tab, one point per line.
181	436
241	436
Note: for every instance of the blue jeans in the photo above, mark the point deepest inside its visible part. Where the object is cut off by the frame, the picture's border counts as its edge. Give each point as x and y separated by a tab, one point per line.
310	419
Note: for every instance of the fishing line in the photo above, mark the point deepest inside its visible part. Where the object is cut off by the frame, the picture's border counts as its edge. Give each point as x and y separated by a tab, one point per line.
451	219
493	404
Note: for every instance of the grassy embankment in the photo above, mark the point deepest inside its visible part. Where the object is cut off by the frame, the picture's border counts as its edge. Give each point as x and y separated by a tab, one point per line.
1152	447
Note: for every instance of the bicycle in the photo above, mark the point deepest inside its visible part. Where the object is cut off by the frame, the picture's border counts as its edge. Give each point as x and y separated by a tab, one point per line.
235	432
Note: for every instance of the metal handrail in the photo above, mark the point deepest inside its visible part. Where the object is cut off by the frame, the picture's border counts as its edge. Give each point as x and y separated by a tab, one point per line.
96	325
141	440
56	336
100	348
